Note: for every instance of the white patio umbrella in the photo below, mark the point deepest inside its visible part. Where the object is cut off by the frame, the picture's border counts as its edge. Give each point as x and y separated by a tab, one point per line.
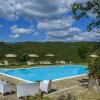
10	56
33	55
94	56
49	55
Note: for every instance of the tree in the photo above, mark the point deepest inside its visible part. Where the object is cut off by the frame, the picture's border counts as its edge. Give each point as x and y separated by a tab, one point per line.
94	75
83	50
94	68
81	10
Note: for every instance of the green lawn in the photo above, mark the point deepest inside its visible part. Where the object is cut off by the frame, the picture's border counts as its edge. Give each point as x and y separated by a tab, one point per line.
21	66
27	66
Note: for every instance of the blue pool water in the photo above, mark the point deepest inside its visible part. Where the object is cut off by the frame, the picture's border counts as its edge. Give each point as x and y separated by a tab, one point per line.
47	73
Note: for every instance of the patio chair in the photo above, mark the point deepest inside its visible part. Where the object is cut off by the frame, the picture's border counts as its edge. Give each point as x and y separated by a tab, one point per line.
1	64
27	89
62	62
30	63
6	62
57	62
45	86
42	63
5	87
47	63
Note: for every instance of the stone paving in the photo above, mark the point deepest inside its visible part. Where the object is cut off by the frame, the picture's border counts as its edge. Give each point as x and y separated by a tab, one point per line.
61	87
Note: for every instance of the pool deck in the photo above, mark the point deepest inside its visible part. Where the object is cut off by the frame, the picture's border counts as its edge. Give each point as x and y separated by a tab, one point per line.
60	87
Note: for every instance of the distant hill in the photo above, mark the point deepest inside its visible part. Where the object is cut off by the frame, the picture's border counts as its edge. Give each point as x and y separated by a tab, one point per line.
76	52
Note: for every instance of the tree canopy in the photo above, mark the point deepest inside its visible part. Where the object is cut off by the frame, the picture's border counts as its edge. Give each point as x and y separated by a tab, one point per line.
81	10
75	52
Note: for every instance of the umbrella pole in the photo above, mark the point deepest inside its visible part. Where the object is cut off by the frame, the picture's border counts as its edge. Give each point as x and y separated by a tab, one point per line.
10	61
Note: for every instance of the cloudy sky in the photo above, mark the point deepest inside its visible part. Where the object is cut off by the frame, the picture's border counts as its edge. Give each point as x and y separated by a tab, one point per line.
42	20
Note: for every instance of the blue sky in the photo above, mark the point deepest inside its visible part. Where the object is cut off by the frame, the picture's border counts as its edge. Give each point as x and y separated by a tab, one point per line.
41	21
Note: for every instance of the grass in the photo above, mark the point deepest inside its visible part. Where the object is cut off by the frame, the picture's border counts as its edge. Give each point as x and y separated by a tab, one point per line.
13	67
27	66
22	66
85	64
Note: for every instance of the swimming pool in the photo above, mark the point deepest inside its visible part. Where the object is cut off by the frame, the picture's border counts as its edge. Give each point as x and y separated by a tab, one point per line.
46	73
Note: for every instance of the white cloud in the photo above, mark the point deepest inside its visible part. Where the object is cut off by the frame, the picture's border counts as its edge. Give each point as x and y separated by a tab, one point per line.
17	32
51	16
58	29
7	9
14	36
89	36
44	9
85	36
62	34
32	9
35	9
74	36
55	25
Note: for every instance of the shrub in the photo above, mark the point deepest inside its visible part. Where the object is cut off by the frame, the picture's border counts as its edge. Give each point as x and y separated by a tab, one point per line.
94	68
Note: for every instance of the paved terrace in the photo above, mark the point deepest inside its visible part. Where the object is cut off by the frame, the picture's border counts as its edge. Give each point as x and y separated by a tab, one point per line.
60	87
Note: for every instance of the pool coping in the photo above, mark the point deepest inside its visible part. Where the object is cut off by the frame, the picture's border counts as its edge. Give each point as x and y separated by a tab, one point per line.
17	78
41	67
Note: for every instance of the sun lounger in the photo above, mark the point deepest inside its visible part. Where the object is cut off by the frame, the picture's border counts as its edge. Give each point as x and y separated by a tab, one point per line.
41	63
5	87
45	86
15	64
27	89
62	62
1	64
30	63
47	62
6	63
57	62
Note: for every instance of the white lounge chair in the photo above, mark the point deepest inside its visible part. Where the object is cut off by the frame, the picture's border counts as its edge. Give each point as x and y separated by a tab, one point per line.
45	86
42	63
27	89
1	64
70	62
6	63
5	87
47	63
57	62
62	62
30	63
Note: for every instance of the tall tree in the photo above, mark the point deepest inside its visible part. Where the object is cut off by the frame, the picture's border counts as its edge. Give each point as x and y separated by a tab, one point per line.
81	10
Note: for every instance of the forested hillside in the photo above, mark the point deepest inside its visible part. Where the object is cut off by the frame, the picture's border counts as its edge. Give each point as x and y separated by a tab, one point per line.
76	52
